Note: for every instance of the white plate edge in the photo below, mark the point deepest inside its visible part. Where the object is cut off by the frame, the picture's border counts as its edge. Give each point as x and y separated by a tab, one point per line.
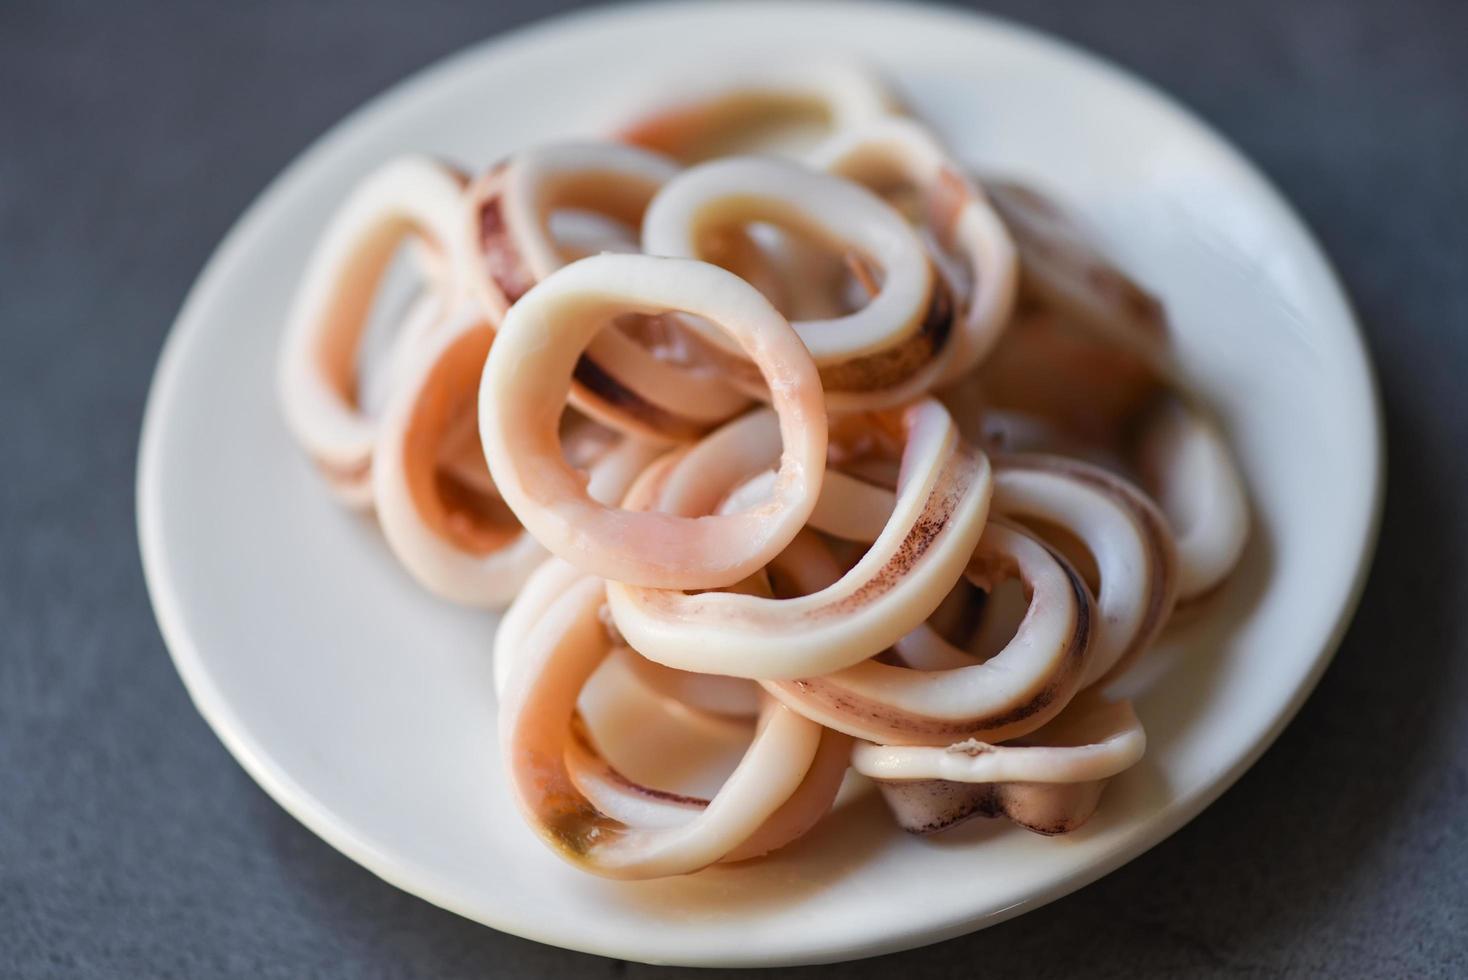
302	805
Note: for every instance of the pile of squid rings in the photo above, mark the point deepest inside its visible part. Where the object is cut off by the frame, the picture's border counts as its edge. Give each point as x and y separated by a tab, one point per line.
773	426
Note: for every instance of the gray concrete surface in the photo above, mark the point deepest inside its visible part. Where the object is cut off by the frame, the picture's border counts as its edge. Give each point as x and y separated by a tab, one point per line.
132	134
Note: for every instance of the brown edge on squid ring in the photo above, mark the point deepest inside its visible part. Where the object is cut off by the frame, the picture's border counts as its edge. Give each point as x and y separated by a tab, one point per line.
1163	559
868	372
954	481
955	730
598	384
1049	809
499	260
891	367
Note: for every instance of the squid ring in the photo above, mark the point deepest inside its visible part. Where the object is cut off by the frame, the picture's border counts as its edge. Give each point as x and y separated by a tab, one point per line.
410	196
942	502
526	379
1186	463
642	806
538	727
730	697
1091	739
729	114
428	519
429	522
1015	692
1126	535
617	381
1122	528
419	322
1050	783
545	585
896	152
883	354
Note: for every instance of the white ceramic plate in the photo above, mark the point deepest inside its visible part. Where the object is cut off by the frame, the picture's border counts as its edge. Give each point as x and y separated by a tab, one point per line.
364	707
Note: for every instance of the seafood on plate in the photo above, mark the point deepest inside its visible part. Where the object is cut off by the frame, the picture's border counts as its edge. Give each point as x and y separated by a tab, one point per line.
774	409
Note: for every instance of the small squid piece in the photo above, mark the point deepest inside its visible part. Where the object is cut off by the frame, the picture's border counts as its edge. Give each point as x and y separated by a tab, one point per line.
1049	782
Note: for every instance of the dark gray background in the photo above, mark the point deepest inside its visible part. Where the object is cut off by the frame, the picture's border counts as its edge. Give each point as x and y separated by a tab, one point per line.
131	135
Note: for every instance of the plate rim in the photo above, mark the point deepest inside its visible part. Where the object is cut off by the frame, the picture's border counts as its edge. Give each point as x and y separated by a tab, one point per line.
213	705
